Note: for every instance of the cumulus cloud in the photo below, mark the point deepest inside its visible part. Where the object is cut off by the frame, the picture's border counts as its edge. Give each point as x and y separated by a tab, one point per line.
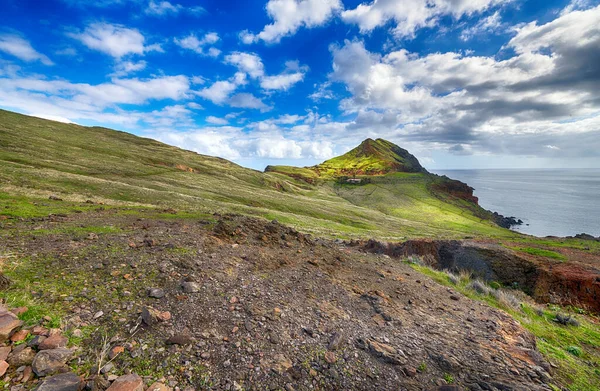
410	15
216	121
125	68
290	15
548	90
248	101
487	25
193	43
19	47
114	40
252	65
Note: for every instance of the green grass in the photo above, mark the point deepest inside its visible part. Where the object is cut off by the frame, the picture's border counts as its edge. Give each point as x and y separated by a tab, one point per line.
541	252
574	349
40	158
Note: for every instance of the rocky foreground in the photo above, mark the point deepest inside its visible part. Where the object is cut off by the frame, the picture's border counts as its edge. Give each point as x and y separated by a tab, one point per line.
243	304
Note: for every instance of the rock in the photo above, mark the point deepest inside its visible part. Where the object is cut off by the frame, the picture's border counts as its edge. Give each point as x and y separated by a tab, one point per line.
4	352
40	330
151	316
159	387
281	364
330	357
92	236
336	341
156	293
386	352
276	312
448	388
35	341
180	339
115	351
98	314
107	368
54	341
410	371
131	382
27	372
3	367
49	361
8	323
19	336
63	382
21	355
54	198
190	287
19	310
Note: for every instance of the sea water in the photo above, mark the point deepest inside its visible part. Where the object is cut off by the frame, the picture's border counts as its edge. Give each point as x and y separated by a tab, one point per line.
561	202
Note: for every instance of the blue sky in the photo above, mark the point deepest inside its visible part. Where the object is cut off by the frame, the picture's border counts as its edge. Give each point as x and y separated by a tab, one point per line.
460	83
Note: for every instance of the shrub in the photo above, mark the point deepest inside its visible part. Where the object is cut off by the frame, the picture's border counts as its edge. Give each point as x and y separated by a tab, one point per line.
453	278
415	260
566	320
495	285
480	287
506	298
575	351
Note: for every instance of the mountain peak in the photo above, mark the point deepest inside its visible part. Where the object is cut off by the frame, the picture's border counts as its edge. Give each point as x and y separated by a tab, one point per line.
371	157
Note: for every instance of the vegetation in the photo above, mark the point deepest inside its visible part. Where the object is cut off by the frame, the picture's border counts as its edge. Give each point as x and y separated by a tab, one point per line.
574	348
541	252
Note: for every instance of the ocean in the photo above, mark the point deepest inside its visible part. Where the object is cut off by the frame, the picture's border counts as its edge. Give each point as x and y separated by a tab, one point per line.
561	202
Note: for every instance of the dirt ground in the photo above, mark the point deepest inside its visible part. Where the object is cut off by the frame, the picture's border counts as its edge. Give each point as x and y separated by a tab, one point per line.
255	305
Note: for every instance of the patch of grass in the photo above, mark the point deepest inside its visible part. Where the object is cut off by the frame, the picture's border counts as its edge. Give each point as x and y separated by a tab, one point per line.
448	378
541	253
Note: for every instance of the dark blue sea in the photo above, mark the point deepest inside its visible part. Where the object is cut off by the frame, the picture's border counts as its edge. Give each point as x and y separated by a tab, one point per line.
552	202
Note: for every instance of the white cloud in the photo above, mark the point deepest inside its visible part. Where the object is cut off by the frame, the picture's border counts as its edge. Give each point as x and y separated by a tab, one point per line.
125	68
542	95
411	15
220	91
289	15
22	49
114	40
486	25
281	82
249	63
216	121
248	101
191	42
162	8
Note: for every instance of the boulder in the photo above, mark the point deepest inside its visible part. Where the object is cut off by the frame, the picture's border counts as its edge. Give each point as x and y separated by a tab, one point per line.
8	323
190	287
4	352
54	341
3	367
159	387
62	382
21	355
130	382
47	362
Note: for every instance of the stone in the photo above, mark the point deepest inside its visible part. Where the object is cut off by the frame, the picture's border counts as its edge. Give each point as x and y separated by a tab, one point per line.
27	372
190	287
156	293
21	355
8	323
410	371
4	352
384	351
330	357
98	315
151	316
35	341
19	310
115	351
107	368
3	367
63	382
281	364
159	387
19	336
54	341
40	330
336	341
131	382
47	362
92	236
180	339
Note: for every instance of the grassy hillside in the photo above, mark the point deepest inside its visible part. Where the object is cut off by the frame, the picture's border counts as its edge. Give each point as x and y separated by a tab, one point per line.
39	158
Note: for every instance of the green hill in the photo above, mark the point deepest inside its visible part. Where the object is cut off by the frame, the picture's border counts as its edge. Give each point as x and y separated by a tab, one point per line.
39	158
